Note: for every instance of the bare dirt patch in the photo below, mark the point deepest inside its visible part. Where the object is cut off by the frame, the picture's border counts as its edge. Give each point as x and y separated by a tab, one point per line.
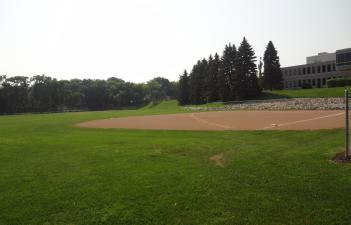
340	158
218	159
228	120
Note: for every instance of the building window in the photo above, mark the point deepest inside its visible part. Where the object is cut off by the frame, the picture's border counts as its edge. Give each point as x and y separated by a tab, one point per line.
329	68
340	58
323	81
318	69
348	57
313	70
304	71
309	70
299	71
334	67
323	68
313	82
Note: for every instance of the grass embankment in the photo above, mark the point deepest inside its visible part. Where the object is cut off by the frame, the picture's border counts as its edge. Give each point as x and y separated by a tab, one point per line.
305	93
54	173
297	93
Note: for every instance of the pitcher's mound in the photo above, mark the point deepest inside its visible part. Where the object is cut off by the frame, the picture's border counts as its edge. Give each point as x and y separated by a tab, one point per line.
228	120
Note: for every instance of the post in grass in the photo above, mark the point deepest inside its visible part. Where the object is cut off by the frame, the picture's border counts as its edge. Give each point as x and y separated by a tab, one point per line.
347	124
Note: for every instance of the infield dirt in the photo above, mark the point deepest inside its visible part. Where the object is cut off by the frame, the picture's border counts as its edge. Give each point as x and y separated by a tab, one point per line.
228	120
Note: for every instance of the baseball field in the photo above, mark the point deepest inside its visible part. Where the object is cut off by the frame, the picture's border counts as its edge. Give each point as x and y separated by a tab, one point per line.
55	170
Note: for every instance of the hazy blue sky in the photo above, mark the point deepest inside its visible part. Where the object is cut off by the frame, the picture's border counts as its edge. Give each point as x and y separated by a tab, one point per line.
139	39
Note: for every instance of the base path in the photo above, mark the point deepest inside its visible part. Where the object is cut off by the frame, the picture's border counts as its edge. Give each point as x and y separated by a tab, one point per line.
228	120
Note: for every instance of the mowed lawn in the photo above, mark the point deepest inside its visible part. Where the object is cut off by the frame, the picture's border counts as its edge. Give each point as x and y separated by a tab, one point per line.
54	173
306	93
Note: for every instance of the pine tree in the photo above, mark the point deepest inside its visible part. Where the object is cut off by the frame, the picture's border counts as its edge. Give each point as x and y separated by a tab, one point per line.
211	78
224	74
246	83
184	92
260	65
197	82
232	76
272	75
202	81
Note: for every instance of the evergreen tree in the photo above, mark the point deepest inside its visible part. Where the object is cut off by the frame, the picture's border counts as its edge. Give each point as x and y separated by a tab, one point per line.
232	76
197	83
224	74
211	78
246	83
203	66
260	65
272	76
184	92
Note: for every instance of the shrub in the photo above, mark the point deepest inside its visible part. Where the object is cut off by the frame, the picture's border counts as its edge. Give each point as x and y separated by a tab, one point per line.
339	82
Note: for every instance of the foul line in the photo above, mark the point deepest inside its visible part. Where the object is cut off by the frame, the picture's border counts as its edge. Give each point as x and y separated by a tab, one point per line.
301	121
210	123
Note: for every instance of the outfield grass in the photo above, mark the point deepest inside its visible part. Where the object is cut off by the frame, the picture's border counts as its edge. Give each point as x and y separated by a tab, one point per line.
305	93
54	173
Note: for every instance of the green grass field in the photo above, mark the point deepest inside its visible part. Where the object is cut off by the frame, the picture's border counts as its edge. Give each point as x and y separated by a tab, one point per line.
54	173
306	93
296	93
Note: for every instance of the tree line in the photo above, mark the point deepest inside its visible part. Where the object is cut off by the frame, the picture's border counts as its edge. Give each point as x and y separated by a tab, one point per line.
46	94
233	76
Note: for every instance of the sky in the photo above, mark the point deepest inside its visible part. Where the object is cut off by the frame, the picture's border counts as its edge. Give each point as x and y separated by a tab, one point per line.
137	40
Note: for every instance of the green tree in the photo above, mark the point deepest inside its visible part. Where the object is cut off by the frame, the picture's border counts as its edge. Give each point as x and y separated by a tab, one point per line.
155	91
226	75
74	94
197	82
46	94
211	81
160	88
174	90
133	95
115	88
96	94
184	89
245	85
2	94
15	94
166	86
272	75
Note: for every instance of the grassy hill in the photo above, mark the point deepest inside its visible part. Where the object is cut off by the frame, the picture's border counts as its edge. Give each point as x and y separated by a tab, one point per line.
305	93
55	173
297	93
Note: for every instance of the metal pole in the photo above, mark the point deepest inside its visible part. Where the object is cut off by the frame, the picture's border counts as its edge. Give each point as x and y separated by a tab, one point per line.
346	124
